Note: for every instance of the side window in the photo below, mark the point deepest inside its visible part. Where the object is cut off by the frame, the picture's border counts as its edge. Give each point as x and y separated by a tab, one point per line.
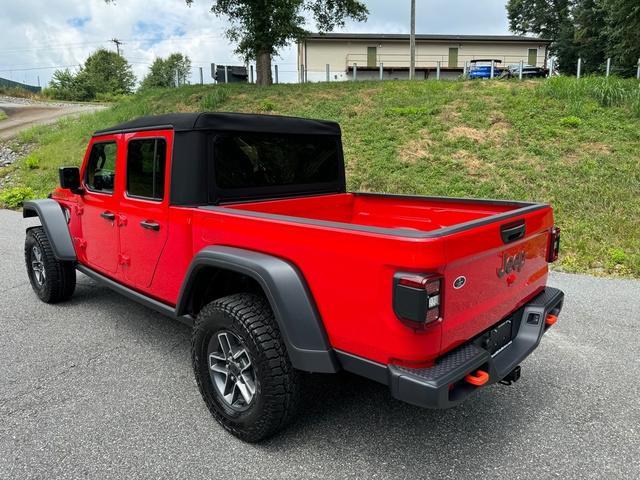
101	168
145	168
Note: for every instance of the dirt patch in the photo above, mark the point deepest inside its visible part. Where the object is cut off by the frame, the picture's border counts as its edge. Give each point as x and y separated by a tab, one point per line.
416	149
451	111
470	133
473	164
596	148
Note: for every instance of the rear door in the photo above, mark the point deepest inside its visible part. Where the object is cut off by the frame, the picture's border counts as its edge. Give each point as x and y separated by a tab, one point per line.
492	270
99	205
144	205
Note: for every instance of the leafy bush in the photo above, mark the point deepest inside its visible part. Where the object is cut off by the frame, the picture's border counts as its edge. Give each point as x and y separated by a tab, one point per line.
570	121
267	106
32	163
104	72
168	72
617	256
3	115
16	196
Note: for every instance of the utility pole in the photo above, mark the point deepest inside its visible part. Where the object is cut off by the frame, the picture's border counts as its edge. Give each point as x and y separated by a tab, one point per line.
117	43
412	42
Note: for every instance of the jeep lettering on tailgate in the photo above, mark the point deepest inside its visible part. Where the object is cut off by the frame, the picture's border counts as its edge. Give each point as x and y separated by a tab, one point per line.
511	263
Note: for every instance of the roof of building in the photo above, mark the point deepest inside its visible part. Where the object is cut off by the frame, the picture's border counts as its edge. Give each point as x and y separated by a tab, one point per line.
241	122
435	37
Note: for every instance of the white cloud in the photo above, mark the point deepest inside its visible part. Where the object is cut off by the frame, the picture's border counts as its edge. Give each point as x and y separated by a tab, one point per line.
36	35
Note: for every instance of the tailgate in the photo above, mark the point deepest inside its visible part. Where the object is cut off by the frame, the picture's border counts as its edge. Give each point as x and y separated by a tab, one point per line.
490	272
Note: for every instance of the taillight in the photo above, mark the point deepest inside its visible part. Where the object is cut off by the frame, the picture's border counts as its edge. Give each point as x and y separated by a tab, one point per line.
417	298
554	245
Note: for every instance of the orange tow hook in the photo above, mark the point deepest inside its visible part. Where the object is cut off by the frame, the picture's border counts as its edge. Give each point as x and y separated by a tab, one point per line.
551	319
477	378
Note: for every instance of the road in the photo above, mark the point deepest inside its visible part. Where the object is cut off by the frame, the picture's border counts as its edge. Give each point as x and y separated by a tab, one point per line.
101	387
24	113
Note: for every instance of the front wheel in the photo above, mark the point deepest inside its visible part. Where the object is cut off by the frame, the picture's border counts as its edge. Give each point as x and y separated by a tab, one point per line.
242	368
52	280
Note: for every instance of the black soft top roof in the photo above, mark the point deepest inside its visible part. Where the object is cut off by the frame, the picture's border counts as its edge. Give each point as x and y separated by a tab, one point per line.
243	122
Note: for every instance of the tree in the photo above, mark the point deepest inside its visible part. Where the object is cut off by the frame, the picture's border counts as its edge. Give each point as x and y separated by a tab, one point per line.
549	19
590	34
107	72
167	72
262	27
103	73
623	31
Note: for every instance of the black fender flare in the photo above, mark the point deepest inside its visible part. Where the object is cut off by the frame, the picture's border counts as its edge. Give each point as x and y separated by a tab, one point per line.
287	292
54	224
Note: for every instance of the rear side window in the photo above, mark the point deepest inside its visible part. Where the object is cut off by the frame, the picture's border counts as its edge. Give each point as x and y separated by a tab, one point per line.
145	168
250	160
101	168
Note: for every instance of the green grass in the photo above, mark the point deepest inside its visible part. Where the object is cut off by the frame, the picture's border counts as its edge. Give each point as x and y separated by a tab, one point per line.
3	116
573	143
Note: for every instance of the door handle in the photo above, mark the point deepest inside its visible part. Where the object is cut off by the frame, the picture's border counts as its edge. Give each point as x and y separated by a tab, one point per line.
107	215
150	225
512	231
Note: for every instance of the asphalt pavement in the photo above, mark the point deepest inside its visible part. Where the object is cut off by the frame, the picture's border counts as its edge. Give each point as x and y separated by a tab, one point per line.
100	387
24	113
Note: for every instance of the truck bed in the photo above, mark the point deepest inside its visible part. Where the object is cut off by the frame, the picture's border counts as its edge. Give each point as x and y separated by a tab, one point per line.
363	237
392	214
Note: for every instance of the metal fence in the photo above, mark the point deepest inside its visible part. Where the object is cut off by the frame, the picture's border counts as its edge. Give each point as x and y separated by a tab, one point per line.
434	67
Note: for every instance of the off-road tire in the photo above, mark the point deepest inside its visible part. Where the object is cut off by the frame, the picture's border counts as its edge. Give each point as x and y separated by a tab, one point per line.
59	280
249	318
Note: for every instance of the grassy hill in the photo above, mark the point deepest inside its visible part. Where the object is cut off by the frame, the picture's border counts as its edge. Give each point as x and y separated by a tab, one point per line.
573	143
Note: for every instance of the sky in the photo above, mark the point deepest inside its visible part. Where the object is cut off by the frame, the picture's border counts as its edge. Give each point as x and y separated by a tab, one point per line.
38	36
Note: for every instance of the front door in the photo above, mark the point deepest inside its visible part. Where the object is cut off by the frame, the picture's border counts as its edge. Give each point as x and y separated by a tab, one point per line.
372	56
453	58
98	206
144	205
533	57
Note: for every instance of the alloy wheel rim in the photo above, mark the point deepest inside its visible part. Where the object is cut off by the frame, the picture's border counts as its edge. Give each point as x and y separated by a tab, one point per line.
231	370
37	266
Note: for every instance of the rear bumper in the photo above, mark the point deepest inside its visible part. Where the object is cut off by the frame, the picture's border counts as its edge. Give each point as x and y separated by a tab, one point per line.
443	385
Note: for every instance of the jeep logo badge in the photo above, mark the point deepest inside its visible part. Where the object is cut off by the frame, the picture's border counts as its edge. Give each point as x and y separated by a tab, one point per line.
459	282
511	263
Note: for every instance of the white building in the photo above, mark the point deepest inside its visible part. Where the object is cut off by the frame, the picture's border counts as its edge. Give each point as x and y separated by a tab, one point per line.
368	51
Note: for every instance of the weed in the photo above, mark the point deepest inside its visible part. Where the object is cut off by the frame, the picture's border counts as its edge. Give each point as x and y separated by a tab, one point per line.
571	121
212	100
14	197
267	106
32	163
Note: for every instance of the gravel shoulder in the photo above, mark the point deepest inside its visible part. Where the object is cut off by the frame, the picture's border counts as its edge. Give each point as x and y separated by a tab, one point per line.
101	387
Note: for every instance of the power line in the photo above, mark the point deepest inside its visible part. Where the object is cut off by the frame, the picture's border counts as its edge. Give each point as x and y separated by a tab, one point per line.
25	69
97	42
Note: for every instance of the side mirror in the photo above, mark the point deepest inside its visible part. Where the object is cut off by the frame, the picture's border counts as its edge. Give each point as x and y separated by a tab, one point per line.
70	178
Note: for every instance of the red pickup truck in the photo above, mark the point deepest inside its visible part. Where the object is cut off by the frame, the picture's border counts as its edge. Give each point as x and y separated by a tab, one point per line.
241	227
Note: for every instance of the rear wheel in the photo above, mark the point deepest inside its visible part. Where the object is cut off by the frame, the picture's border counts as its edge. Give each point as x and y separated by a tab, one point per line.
242	368
52	280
